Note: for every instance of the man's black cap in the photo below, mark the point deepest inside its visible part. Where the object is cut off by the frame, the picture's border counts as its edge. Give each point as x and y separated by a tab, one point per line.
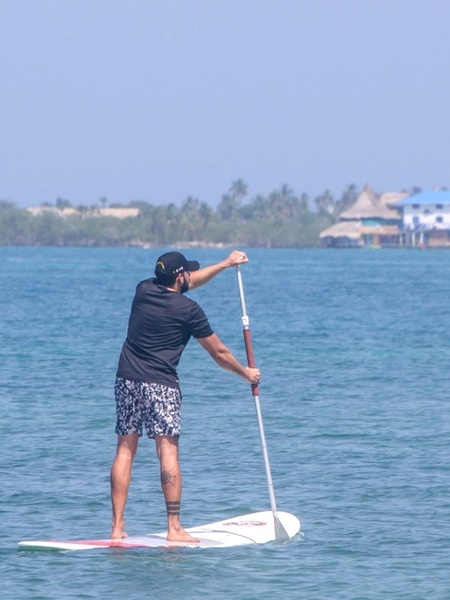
173	263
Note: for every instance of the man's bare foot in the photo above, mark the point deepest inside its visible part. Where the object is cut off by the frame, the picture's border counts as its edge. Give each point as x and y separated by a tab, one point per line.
117	532
180	535
118	536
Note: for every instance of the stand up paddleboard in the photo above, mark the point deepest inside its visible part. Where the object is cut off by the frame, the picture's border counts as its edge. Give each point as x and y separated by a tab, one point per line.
255	528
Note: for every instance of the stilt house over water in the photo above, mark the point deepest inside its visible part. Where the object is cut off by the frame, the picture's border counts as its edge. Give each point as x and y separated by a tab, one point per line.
371	221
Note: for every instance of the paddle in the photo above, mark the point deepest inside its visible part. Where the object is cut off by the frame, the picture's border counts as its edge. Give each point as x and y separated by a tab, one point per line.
280	532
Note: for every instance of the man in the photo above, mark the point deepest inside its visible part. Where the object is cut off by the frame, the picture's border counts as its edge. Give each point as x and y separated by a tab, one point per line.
162	321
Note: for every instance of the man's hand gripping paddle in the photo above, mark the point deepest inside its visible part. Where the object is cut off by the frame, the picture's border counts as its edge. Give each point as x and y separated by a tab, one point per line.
280	532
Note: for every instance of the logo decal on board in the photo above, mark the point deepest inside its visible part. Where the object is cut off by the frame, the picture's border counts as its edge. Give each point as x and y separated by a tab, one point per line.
246	523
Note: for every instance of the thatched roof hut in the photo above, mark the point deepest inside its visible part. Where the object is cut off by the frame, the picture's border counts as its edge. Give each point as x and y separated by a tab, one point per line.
370	205
349	232
371	220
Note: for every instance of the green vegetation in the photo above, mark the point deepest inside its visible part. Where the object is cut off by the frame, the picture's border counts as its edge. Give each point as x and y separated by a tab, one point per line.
281	219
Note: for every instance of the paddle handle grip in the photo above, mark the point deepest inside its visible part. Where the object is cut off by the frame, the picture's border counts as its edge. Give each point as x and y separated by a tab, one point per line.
246	330
250	356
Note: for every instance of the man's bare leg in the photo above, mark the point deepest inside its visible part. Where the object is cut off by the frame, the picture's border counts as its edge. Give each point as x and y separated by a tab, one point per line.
120	481
167	450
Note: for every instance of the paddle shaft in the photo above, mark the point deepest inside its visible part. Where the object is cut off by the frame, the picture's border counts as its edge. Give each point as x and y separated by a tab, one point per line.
255	390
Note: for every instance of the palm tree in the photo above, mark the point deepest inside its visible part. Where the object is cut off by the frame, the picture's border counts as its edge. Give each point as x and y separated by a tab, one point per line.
238	189
325	203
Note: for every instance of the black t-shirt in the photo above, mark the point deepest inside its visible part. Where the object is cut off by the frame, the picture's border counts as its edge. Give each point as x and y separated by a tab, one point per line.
161	324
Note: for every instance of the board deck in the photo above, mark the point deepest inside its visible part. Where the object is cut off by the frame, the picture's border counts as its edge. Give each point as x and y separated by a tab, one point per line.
254	528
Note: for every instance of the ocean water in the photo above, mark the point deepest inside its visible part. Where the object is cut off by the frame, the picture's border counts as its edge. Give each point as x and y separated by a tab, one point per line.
354	349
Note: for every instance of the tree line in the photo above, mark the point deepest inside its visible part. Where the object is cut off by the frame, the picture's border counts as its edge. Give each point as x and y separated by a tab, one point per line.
280	219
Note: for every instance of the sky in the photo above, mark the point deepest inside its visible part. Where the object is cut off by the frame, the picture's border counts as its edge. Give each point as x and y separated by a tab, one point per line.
159	100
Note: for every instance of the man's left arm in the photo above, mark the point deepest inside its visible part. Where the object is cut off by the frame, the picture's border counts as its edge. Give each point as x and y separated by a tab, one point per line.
202	276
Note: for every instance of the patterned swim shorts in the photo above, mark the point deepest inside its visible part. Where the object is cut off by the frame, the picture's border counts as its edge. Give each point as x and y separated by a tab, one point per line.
152	404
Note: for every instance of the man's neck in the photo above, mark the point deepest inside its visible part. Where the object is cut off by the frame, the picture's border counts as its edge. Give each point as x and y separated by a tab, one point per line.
173	288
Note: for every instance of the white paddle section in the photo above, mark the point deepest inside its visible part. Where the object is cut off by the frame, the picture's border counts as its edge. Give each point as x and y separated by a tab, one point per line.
254	528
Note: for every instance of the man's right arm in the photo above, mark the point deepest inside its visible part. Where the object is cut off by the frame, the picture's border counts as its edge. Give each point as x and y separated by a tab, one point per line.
202	276
225	358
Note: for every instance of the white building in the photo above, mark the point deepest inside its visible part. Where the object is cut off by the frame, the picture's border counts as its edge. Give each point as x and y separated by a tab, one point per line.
425	219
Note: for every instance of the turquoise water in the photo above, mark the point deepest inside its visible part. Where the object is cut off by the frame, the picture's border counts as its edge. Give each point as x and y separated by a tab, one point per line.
354	350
